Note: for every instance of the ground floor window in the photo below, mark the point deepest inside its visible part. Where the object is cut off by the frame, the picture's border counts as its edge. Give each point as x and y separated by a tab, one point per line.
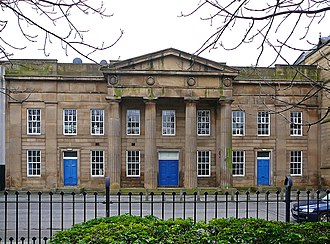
33	163
238	163
203	163
296	163
97	163
133	163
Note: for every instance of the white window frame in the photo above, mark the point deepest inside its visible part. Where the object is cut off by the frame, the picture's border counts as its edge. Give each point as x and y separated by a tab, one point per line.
133	124
33	160
203	122
296	160
133	160
97	122
72	122
168	122
238	157
263	122
33	125
238	123
296	123
203	163
97	163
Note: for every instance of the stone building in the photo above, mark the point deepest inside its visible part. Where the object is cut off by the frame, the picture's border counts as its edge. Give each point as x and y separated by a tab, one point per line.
164	119
320	56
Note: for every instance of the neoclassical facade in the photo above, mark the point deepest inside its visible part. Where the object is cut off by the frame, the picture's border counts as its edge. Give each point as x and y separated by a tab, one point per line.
164	119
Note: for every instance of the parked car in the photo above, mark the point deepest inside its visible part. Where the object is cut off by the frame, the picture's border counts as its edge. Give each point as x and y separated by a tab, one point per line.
312	210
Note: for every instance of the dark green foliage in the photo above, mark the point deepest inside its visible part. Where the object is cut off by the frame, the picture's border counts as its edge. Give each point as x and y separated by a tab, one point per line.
133	229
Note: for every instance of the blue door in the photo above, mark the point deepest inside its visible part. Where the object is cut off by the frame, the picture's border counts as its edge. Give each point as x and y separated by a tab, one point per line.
168	173
70	171
263	171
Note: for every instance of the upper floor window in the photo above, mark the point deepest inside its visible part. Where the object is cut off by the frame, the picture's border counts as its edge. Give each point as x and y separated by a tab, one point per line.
168	122
133	122
203	122
238	163
263	123
238	123
97	122
70	122
296	123
33	163
133	163
33	121
203	163
97	163
296	163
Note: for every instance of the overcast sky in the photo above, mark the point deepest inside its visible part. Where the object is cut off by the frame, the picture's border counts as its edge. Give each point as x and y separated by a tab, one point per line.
153	25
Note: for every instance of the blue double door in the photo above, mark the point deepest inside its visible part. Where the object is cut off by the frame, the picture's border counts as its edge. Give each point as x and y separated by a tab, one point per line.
70	169
263	168
168	166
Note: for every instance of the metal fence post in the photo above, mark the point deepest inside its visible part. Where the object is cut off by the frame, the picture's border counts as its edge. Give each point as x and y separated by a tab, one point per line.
107	196
288	185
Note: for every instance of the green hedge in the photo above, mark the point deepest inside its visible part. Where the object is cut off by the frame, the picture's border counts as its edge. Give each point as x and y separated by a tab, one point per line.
134	229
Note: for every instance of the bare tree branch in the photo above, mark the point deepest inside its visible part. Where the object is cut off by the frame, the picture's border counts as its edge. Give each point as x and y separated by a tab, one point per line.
35	19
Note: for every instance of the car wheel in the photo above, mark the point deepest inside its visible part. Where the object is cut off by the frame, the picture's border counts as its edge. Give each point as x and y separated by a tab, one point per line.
324	217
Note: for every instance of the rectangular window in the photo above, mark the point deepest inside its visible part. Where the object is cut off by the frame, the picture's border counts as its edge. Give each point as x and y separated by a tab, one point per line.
263	123
69	121
97	163
203	163
133	163
168	122
203	122
238	163
133	122
296	123
238	123
97	122
33	122
33	163
296	163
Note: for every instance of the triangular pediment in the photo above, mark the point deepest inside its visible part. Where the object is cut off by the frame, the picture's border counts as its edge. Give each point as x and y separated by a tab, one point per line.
170	60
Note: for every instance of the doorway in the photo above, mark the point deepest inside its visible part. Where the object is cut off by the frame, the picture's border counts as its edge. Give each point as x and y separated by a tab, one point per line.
168	165
263	168
70	172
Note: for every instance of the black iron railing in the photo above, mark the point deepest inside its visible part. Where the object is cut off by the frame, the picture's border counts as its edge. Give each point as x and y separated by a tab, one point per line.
27	217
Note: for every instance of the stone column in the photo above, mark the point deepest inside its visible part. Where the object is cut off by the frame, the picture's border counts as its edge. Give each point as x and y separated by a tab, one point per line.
190	153
114	147
224	144
52	168
150	163
15	146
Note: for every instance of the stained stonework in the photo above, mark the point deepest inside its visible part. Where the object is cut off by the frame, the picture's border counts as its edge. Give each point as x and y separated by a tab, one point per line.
168	80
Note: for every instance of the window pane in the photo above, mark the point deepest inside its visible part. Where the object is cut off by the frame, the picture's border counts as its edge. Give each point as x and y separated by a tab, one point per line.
33	121
203	122
97	163
133	122
133	163
70	121
238	163
33	163
238	123
168	122
296	162
203	163
296	123
263	123
97	122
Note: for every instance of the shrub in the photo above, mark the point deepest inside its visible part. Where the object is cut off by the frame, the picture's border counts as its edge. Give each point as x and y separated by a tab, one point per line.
134	229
